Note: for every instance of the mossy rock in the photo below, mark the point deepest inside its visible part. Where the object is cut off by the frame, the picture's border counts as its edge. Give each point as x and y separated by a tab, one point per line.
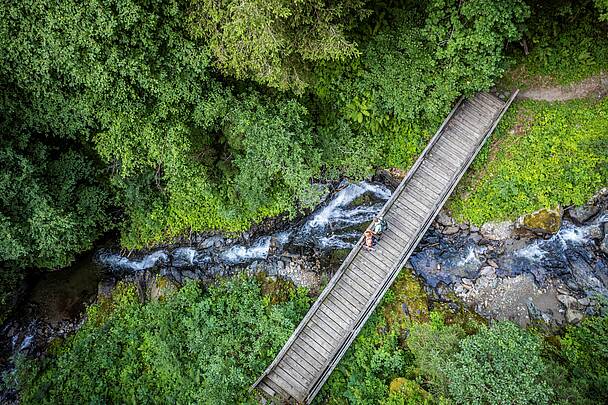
409	303
277	290
544	221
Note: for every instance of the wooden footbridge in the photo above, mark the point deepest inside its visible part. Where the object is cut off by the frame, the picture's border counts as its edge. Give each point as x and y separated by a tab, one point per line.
332	323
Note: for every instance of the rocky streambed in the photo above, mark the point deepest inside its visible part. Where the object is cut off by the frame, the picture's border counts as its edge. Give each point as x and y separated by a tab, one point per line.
517	271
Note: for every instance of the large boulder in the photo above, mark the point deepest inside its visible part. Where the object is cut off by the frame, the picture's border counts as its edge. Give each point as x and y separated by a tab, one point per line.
543	221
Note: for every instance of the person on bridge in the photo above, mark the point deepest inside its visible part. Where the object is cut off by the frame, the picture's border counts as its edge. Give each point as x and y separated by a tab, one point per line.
369	239
379	226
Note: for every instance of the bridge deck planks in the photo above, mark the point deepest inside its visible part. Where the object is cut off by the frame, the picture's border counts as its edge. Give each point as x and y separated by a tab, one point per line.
316	346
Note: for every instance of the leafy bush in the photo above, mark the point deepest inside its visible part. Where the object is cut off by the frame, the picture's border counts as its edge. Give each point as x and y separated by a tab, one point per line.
433	344
585	348
501	364
191	347
544	154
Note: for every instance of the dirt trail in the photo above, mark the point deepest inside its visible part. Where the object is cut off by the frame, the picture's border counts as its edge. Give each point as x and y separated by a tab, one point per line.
593	86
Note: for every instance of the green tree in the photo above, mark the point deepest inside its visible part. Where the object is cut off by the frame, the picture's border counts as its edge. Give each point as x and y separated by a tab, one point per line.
53	205
501	364
273	41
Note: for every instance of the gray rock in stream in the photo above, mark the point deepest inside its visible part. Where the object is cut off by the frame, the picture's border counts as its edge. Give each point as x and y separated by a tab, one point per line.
604	245
583	213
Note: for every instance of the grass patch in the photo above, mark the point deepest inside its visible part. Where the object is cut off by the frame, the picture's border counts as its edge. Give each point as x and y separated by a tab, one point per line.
567	44
541	155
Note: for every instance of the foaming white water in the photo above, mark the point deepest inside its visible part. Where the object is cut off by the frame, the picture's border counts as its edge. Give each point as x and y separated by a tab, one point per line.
531	252
338	241
344	197
116	261
283	237
240	254
470	258
184	255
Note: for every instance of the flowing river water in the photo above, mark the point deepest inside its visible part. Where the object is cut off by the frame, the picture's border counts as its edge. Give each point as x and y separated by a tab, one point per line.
526	279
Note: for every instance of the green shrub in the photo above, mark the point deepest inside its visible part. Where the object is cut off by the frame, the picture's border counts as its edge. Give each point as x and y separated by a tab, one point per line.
544	154
191	347
433	344
501	364
585	348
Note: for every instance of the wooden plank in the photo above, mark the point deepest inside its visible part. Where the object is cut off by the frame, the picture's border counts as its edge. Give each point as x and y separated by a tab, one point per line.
267	389
498	103
348	309
349	294
278	389
387	249
416	217
315	362
303	357
394	232
470	120
298	368
324	320
358	282
303	343
471	123
287	374
438	176
400	220
364	280
427	182
448	155
455	143
286	384
472	137
438	163
373	277
477	111
462	149
319	330
314	345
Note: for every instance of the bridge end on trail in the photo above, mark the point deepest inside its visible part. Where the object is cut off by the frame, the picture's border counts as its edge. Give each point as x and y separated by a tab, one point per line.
332	323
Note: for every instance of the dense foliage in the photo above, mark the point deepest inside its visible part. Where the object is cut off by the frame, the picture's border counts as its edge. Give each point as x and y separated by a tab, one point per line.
566	44
502	365
543	154
276	42
53	203
192	347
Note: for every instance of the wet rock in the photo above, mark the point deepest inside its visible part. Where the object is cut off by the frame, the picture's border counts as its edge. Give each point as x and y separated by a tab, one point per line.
583	213
566	300
584	301
444	219
467	282
492	263
105	287
573	316
488	271
596	232
474	228
497	230
451	230
543	221
604	245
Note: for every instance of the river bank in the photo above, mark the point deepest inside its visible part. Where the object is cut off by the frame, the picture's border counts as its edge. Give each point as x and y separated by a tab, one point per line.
501	271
